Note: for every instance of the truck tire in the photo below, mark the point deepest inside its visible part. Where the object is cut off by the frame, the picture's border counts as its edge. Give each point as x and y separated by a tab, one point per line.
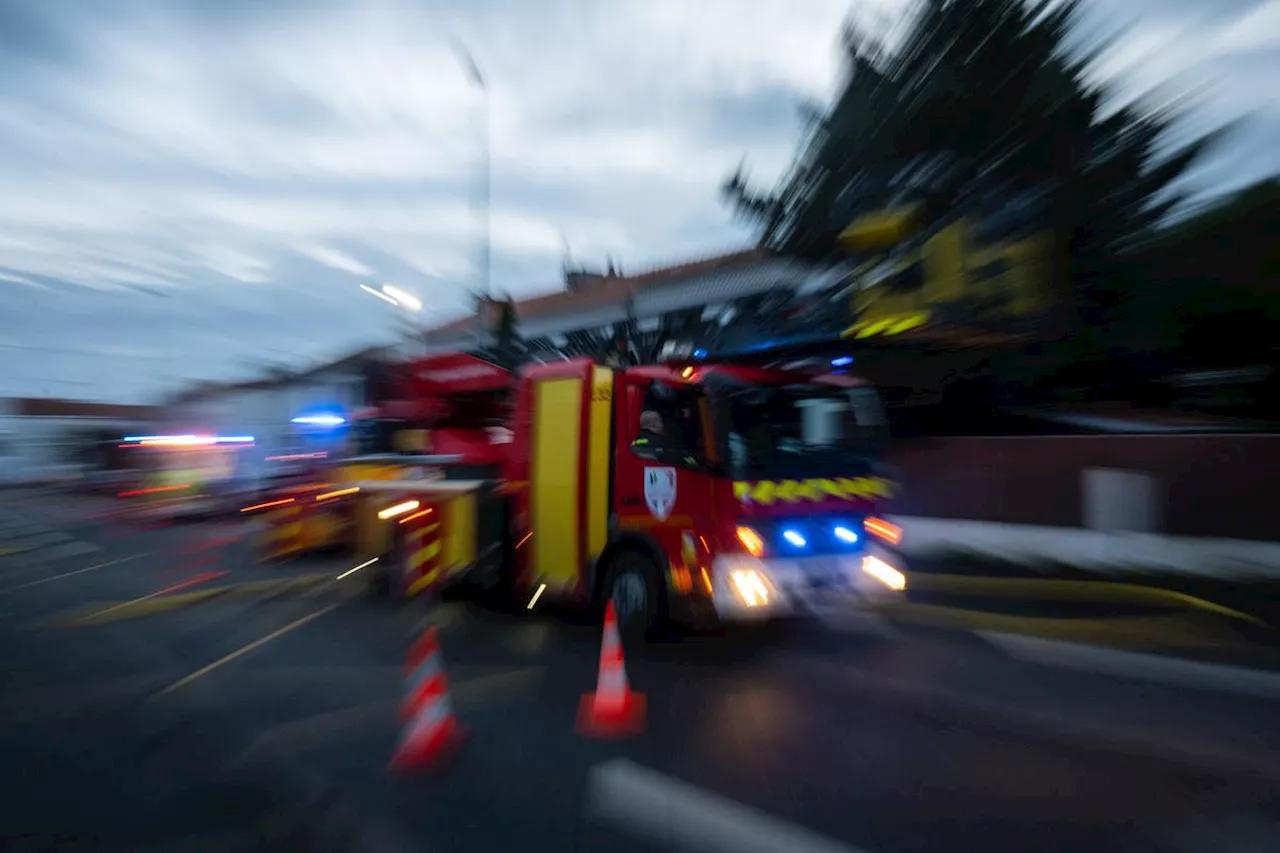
636	595
386	578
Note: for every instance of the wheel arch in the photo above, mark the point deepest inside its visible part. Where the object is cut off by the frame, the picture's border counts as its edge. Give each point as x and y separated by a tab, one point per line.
628	542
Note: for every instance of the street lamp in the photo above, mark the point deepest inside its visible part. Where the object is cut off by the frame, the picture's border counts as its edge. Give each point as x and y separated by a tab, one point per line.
407	300
378	293
401	299
395	296
480	199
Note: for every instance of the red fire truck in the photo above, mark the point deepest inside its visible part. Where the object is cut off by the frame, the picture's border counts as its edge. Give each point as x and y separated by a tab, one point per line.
699	489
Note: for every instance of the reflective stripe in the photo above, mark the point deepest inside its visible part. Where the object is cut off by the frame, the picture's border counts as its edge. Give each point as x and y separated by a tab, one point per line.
766	492
428	669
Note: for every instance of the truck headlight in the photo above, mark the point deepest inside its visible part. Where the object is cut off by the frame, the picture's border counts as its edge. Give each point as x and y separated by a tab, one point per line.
883	572
750	586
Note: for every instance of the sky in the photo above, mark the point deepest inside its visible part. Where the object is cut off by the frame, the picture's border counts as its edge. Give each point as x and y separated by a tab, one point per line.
192	190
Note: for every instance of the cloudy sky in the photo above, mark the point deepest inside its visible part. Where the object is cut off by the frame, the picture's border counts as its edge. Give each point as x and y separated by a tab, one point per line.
192	187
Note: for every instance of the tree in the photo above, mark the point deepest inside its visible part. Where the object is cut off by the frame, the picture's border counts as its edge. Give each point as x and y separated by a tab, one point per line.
983	100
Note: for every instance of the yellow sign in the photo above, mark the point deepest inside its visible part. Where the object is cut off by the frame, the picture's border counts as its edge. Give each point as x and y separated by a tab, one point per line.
955	272
766	492
893	325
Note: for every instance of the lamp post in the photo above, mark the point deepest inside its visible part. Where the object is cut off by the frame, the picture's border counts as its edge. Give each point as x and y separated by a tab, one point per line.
480	188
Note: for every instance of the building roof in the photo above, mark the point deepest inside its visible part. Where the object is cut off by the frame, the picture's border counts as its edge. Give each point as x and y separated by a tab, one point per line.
207	390
51	407
595	291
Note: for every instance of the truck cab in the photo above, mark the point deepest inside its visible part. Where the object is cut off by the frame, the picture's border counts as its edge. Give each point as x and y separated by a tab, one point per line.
706	492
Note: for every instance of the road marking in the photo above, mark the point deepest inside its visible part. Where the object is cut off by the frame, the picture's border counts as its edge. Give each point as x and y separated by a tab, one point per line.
163	594
244	650
675	813
1179	672
298	736
52	578
169	599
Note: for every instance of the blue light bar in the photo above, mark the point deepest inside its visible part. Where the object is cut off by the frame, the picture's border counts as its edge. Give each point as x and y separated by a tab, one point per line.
842	361
320	420
846	534
794	538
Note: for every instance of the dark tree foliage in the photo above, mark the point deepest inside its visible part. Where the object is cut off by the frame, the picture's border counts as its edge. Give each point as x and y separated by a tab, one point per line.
983	99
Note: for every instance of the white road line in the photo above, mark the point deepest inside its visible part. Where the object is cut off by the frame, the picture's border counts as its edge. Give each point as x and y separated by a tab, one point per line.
75	548
679	815
93	568
244	650
1147	667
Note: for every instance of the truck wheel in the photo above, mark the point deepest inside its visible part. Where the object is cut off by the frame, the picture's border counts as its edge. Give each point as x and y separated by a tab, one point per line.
634	592
386	578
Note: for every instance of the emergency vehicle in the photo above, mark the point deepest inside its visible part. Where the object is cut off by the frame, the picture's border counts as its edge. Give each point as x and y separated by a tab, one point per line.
752	490
182	476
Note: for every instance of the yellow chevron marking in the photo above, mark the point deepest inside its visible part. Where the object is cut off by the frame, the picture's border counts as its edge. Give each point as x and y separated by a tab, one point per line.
767	492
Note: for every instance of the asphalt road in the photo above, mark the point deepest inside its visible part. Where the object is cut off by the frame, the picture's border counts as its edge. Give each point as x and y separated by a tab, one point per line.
138	711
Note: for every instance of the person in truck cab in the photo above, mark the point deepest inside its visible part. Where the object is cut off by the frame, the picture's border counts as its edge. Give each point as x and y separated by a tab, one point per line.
654	437
652	431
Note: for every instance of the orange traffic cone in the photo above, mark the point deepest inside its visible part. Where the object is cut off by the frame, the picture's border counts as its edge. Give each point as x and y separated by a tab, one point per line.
613	710
432	734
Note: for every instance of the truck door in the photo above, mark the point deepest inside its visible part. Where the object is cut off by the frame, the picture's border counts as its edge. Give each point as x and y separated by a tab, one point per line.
663	488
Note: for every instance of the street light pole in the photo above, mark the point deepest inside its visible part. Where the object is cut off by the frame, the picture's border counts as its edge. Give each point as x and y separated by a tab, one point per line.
481	188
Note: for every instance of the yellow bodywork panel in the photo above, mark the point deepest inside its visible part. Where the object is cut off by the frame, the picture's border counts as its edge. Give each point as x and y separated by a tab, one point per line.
599	448
459	532
373	535
283	533
557	445
359	472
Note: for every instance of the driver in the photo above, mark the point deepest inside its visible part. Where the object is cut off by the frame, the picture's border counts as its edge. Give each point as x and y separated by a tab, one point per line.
652	430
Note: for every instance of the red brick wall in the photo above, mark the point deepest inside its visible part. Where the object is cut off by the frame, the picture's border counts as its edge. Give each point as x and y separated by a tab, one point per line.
1226	486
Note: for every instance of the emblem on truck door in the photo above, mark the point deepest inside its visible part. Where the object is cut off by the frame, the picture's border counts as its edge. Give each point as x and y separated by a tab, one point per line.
660	491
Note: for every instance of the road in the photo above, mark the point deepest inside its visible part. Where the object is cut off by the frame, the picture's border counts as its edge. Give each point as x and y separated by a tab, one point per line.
140	711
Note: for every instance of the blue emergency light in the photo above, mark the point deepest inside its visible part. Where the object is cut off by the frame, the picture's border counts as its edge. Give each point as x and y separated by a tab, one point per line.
328	420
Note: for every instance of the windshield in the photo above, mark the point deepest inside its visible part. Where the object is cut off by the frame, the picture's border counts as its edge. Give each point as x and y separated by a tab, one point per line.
797	431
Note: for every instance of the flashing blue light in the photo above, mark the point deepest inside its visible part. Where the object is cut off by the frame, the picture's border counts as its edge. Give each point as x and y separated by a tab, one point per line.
794	538
846	534
842	361
699	353
320	420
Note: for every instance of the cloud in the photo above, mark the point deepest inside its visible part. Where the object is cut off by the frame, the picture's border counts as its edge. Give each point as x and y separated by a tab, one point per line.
206	179
337	260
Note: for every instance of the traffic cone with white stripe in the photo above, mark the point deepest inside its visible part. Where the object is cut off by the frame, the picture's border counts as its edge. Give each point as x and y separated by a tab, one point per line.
613	710
432	733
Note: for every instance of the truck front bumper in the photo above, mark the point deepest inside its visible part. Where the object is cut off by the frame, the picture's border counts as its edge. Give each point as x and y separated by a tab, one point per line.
751	589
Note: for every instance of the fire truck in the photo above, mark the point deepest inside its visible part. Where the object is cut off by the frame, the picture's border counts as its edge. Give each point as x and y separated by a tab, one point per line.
699	489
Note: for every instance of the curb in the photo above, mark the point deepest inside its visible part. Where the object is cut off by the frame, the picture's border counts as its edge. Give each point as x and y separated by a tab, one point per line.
1072	590
1168	631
